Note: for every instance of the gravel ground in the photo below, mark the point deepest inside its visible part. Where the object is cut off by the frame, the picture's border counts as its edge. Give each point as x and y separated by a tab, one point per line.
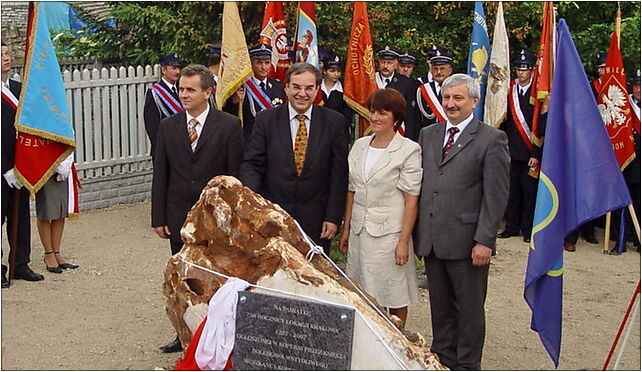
109	314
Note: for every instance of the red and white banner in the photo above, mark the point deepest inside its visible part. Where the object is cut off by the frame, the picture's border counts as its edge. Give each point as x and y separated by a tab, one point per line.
273	33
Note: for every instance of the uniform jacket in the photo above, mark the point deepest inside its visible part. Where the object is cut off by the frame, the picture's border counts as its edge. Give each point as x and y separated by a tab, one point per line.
425	108
463	197
378	200
268	168
180	174
274	89
153	115
518	149
335	102
408	87
8	129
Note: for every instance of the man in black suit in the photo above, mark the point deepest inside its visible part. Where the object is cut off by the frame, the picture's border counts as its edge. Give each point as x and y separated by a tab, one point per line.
10	184
193	146
429	92
161	99
387	77
524	155
260	93
297	157
463	196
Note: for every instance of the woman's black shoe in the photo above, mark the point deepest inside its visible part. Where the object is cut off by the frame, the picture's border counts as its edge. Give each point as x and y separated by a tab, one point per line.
68	266
55	269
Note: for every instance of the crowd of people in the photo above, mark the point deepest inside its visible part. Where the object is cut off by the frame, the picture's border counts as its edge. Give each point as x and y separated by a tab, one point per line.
430	180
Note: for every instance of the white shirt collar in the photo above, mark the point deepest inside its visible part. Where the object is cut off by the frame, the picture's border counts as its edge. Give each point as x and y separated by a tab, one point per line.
258	82
200	118
381	80
293	113
461	126
337	86
170	85
525	87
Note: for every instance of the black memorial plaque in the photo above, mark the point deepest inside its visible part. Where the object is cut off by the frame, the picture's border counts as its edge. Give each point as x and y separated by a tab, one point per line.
277	333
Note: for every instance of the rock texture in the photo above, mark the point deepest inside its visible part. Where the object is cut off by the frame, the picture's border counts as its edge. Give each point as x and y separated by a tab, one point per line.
236	232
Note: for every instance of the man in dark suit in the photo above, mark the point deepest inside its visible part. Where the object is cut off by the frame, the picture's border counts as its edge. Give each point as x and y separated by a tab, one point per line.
463	197
297	157
193	146
260	93
429	92
387	77
524	155
10	184
161	99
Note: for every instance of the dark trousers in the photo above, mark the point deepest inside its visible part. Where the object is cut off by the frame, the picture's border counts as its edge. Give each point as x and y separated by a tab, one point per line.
587	228
521	199
176	244
24	224
629	229
457	295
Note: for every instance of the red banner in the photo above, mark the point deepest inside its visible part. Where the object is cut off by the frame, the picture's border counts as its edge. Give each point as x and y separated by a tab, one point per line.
543	74
273	33
360	68
614	105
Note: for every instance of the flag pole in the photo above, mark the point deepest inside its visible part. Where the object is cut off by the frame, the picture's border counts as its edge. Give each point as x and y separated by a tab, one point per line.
622	324
636	222
607	234
618	23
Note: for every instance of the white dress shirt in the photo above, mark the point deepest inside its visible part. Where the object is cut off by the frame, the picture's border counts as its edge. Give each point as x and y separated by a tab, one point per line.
337	86
294	122
171	86
381	80
461	126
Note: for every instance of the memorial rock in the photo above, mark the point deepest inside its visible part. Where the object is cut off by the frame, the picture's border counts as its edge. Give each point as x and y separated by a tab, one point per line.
236	232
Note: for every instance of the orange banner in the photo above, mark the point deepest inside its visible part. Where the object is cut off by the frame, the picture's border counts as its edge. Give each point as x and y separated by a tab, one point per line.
360	80
543	74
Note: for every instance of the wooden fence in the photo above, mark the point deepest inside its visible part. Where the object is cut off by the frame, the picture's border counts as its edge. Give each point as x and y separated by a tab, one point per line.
107	114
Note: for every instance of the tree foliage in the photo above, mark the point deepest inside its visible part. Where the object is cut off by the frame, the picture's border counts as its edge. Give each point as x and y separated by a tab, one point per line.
146	30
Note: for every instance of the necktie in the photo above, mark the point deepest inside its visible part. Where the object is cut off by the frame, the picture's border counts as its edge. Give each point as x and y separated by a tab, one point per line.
174	90
521	93
300	144
262	84
387	82
191	132
451	139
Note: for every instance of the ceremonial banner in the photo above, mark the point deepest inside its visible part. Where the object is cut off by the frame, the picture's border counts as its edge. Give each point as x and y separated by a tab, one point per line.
498	74
273	33
614	105
235	60
543	74
306	46
45	136
579	181
478	53
359	80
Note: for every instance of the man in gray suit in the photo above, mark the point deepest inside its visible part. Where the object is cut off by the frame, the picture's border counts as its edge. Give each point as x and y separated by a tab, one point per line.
463	197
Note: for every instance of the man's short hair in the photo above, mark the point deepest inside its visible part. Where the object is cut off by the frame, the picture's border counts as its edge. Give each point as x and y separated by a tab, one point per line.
301	67
388	100
207	80
458	79
214	59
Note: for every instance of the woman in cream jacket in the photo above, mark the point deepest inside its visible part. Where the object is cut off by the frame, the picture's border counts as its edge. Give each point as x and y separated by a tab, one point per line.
381	207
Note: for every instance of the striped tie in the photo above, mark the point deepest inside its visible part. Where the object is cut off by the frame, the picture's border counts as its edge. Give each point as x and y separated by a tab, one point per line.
191	132
451	139
300	144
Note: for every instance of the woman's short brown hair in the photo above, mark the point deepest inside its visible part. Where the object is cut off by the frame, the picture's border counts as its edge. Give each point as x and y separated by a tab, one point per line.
388	100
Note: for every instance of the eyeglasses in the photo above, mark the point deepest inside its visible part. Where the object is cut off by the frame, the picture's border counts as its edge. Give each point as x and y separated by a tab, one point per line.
297	88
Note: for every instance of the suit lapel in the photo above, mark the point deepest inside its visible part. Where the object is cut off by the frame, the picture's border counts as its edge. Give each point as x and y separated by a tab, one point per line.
463	140
386	157
438	143
181	131
284	134
209	127
314	137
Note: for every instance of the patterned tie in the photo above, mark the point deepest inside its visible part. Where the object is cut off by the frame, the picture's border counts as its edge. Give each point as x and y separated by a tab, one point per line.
451	139
300	144
191	132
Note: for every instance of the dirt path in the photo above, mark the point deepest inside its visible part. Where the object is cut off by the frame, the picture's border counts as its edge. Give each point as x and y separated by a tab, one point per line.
109	313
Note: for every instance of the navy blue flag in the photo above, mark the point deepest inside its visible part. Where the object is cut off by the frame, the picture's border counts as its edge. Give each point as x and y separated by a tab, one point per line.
580	180
479	56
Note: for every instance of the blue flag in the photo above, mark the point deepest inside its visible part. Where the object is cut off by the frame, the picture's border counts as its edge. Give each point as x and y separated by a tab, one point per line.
479	56
580	180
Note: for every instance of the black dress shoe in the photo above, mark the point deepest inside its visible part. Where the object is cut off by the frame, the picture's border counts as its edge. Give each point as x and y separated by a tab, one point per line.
68	266
5	282
590	238
28	275
506	234
173	347
527	239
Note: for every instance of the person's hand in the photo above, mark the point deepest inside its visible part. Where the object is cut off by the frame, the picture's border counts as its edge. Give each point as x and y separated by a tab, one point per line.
12	180
547	101
481	255
328	230
533	162
401	254
64	168
61	177
238	95
343	241
163	231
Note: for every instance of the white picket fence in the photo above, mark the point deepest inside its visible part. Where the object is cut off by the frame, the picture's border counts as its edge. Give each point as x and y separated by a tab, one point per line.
107	113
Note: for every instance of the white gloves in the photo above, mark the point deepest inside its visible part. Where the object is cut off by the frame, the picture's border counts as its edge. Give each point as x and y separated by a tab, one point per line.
12	180
64	168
